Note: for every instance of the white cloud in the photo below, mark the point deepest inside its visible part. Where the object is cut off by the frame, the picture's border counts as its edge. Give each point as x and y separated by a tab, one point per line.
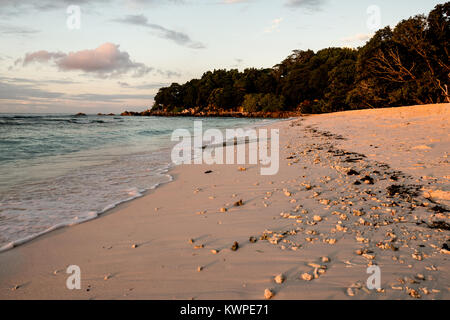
358	37
274	25
104	61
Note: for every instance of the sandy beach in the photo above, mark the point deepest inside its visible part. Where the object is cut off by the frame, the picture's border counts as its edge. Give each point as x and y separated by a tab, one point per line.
354	189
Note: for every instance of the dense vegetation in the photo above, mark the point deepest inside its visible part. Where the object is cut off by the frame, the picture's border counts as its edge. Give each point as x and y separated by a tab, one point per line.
402	66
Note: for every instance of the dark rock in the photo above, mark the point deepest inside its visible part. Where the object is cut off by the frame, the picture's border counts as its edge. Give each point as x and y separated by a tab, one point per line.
352	172
235	246
439	209
367	180
253	239
239	203
439	225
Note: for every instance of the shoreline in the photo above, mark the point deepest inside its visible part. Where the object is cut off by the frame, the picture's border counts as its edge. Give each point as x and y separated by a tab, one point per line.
98	214
164	265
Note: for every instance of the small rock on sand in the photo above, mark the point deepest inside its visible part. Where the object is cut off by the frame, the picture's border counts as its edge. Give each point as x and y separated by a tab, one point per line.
279	278
235	246
253	239
307	276
239	203
268	294
350	292
223	210
134	246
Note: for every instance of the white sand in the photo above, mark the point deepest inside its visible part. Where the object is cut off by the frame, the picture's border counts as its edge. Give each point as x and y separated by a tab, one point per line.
165	265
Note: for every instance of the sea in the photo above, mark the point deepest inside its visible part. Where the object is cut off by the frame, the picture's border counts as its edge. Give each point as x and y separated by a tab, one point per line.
58	170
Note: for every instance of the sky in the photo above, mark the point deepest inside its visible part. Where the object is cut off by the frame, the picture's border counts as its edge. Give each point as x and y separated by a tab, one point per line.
93	56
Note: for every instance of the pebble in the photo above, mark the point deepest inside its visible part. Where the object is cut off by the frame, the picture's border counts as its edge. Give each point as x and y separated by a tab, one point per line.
413	293
307	276
279	279
134	246
199	268
268	294
214	251
350	292
417	256
317	218
223	210
239	203
325	259
235	246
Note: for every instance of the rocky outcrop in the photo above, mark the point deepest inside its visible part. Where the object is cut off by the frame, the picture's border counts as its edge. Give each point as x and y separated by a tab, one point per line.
219	113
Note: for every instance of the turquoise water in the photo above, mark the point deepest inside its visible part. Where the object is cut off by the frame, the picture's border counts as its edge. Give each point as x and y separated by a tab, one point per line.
58	170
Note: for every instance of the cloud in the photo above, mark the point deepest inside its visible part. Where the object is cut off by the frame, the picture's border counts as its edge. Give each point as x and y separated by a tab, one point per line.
179	38
111	97
312	5
105	61
234	1
358	37
16	30
10	91
274	25
143	86
26	95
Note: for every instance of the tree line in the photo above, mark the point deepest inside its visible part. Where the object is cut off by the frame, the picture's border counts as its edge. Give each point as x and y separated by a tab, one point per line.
405	65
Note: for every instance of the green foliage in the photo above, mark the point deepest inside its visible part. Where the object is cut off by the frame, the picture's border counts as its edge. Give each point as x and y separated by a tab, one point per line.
406	65
268	102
